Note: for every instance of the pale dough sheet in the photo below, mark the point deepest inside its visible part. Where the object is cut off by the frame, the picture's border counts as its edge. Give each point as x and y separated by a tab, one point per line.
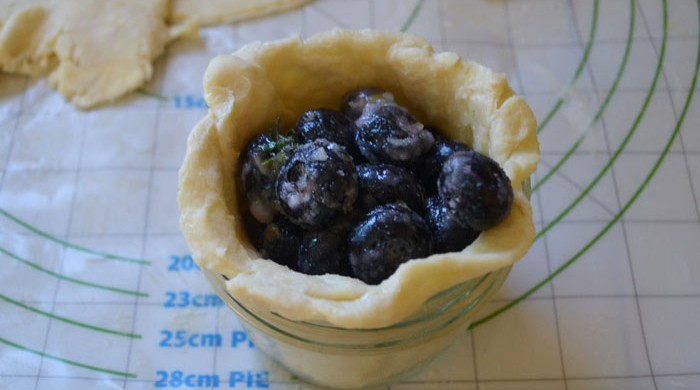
248	90
226	11
95	51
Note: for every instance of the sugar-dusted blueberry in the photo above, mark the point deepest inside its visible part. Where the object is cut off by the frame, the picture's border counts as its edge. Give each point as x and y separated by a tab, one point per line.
329	124
389	236
279	241
390	134
429	166
254	229
386	183
261	161
317	183
354	102
448	235
325	251
475	189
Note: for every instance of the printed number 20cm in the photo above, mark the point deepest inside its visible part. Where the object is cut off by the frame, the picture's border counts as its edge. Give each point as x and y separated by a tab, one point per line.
182	263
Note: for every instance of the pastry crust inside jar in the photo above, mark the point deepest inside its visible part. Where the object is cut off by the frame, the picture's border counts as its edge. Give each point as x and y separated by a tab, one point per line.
248	90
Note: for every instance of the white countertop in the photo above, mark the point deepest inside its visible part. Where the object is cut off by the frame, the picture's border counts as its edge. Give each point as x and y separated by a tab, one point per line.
616	202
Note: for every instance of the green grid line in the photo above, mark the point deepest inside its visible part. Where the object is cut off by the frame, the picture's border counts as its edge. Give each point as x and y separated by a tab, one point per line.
412	17
147	92
68	320
67	244
67	361
636	194
577	73
543	124
71	279
601	109
621	147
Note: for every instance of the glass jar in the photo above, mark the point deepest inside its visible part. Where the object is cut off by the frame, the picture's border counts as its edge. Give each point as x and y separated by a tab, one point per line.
360	358
343	358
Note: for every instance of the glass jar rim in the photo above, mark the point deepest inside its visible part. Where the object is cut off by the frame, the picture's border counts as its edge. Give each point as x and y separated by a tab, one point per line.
452	304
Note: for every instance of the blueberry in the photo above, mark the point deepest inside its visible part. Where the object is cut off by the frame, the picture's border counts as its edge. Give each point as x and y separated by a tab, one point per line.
429	166
261	161
325	251
354	102
254	229
280	238
389	236
386	183
317	183
390	134
475	189
329	124
448	235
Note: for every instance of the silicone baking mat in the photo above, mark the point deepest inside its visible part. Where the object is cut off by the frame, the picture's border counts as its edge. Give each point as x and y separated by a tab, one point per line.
98	291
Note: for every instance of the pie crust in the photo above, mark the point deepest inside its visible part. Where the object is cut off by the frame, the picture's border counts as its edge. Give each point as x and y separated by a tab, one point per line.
248	90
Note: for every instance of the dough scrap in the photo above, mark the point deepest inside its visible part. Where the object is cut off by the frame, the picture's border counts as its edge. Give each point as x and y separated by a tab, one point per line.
226	11
246	92
93	51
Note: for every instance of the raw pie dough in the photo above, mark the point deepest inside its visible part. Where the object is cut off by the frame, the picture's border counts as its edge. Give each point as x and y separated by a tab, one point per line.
226	11
95	51
246	92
